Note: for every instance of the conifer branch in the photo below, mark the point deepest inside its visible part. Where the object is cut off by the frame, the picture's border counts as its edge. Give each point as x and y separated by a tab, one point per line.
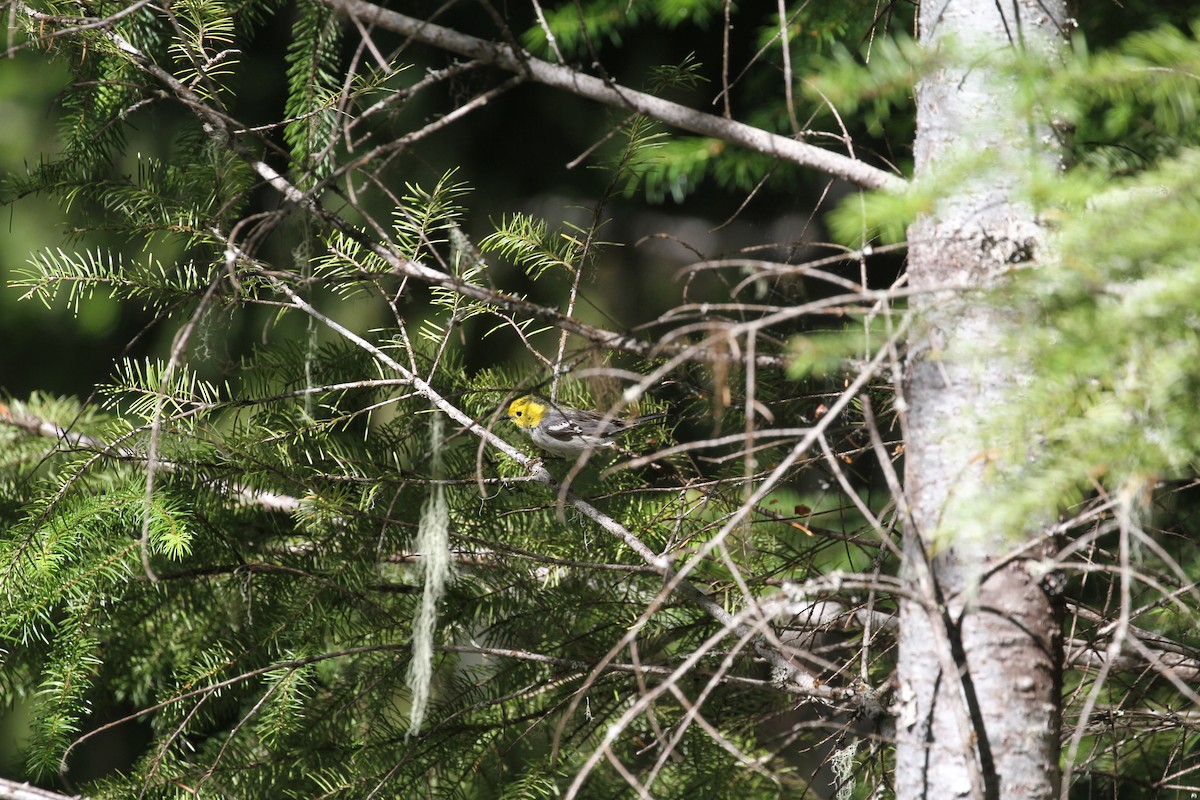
225	129
624	98
676	581
536	470
269	501
201	691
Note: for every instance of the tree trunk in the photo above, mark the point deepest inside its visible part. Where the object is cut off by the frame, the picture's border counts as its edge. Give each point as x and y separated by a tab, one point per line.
980	660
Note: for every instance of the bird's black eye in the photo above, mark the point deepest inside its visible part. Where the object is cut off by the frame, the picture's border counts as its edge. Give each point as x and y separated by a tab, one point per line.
519	413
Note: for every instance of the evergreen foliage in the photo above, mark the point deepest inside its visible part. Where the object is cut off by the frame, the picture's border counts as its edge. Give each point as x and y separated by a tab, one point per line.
237	548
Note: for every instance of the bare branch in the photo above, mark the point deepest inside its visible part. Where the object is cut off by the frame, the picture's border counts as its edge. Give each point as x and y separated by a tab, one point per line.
11	790
562	77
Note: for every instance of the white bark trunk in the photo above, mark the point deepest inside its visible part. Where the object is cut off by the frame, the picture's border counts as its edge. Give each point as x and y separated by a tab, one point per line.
980	676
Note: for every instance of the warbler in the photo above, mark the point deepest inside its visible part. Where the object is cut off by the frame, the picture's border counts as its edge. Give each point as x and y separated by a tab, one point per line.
567	431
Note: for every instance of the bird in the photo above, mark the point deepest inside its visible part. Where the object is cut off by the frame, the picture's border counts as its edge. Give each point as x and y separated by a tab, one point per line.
566	431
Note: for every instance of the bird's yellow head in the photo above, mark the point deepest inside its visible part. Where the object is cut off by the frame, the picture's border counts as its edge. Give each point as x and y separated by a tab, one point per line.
526	412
